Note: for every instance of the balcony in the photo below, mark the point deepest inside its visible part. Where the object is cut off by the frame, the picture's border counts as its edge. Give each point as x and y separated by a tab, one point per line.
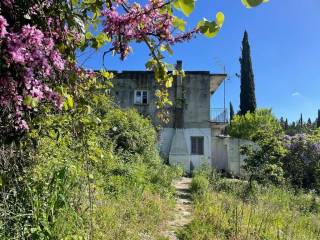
219	115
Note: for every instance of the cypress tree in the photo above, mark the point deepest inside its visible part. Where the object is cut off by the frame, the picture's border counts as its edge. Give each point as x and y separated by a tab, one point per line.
301	120
286	124
318	119
309	122
231	111
282	122
247	95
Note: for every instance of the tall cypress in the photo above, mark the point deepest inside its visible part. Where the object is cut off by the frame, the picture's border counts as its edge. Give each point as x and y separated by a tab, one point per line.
309	122
247	95
301	120
318	119
231	111
286	124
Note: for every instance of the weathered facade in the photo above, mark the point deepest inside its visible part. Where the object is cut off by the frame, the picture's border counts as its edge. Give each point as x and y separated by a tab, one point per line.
189	137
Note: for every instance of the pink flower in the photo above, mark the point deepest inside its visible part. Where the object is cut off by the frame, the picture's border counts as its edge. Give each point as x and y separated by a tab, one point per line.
16	53
57	60
28	58
32	35
8	3
3	25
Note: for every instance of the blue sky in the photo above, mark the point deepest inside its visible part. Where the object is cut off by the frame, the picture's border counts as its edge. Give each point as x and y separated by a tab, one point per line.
285	44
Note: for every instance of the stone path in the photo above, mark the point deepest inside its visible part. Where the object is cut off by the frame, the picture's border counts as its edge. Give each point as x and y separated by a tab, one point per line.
182	212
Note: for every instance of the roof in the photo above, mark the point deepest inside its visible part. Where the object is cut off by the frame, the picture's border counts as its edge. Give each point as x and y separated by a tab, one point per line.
215	81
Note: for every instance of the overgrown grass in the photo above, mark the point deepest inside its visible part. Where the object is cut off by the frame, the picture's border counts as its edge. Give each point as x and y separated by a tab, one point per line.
87	179
229	209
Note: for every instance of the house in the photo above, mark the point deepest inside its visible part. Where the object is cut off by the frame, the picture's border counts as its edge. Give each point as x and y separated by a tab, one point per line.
193	135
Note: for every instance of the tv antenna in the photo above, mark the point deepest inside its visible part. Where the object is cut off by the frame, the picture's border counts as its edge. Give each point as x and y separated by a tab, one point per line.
223	68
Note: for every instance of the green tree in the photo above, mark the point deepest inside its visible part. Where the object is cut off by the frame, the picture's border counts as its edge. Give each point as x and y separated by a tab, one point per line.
282	122
301	120
248	125
286	125
247	94
264	163
309	122
318	119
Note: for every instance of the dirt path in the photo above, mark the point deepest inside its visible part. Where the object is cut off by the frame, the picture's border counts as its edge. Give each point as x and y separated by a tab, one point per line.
182	214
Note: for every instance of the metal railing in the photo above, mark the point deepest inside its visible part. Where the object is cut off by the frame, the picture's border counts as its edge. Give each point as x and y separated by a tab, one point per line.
219	115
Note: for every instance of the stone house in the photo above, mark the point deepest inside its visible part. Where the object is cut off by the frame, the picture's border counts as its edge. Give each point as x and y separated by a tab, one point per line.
193	136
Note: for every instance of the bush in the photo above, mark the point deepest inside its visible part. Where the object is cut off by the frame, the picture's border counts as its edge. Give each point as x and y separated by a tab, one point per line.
91	172
199	184
264	163
302	163
247	126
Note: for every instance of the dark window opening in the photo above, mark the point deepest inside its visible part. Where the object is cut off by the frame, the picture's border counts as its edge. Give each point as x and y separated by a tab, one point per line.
141	97
144	97
197	145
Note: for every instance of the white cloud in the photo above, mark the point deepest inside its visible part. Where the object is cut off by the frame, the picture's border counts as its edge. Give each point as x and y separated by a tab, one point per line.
295	94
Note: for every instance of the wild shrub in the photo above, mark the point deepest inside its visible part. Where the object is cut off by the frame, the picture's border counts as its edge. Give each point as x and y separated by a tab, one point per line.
264	163
275	213
302	163
94	172
247	126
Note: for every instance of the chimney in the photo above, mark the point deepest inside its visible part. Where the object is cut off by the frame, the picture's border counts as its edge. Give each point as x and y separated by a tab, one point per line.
179	121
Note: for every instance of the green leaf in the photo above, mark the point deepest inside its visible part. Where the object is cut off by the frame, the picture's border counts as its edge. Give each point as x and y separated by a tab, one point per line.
75	2
211	28
252	3
166	48
169	49
169	82
106	74
89	35
70	101
179	23
34	103
185	6
27	100
163	48
102	38
220	19
30	101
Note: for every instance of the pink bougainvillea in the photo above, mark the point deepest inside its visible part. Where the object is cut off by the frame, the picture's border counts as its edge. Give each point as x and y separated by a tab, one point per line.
28	60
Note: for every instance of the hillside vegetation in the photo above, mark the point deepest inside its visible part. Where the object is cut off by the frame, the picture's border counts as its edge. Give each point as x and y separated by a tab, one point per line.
85	173
227	209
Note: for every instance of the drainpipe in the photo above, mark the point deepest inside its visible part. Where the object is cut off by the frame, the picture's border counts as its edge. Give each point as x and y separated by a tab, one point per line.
179	119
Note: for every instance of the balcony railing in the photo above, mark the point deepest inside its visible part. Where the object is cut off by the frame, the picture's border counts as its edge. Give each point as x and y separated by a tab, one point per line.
219	115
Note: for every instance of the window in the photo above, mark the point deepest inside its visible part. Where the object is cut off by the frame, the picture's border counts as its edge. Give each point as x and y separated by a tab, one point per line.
141	97
197	145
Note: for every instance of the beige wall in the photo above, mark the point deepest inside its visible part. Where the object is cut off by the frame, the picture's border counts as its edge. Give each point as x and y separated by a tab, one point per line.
226	154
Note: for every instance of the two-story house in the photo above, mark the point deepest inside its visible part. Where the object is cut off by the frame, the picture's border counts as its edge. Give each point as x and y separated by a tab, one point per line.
191	137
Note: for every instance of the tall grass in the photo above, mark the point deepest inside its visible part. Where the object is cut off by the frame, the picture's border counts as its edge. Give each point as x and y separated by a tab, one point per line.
229	210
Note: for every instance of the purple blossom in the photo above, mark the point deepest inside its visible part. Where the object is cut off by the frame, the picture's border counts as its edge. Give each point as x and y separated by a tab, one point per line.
57	60
138	24
31	55
3	26
8	3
